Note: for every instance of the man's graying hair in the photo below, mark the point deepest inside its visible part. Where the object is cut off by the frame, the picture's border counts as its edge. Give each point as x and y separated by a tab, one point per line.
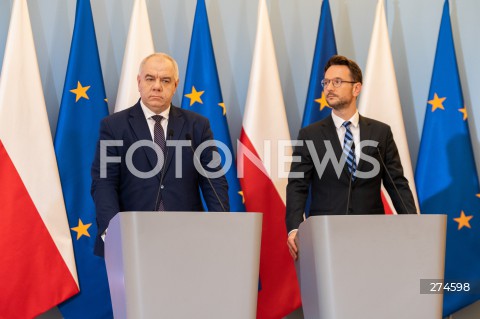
162	55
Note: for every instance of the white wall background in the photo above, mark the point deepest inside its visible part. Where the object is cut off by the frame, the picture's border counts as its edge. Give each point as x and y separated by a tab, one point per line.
413	27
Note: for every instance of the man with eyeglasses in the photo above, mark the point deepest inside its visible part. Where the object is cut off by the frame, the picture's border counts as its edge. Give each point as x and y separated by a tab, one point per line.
365	147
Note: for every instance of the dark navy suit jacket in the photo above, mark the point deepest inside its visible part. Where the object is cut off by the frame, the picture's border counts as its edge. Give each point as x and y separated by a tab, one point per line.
330	192
121	190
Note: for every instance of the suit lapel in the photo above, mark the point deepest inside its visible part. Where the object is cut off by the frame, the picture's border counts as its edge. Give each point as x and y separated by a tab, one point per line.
176	122
331	132
365	134
140	129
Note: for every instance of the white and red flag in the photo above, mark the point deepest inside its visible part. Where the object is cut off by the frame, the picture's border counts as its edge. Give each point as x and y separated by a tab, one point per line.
37	269
264	186
139	45
380	99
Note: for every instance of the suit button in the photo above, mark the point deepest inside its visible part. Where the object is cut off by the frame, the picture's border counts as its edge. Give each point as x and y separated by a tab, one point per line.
162	187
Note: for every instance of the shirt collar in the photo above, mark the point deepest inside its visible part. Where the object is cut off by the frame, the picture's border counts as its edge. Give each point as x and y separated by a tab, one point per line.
338	121
149	113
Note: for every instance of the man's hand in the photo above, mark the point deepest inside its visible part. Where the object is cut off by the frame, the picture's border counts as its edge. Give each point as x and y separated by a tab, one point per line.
292	245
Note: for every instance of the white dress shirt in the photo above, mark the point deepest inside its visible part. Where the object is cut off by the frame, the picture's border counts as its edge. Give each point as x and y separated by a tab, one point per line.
151	122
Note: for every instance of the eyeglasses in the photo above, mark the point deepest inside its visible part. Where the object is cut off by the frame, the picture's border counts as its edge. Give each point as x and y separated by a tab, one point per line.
335	82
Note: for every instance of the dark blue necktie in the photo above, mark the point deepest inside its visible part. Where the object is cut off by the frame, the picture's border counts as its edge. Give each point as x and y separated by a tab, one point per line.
159	139
349	149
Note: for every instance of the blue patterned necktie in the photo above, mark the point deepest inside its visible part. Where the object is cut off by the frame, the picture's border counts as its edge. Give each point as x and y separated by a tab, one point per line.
159	139
349	149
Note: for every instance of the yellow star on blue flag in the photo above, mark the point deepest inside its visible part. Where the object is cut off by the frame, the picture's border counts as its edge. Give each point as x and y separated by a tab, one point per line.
464	112
243	197
80	91
75	139
437	102
224	109
463	220
202	73
325	47
322	101
81	229
195	96
446	176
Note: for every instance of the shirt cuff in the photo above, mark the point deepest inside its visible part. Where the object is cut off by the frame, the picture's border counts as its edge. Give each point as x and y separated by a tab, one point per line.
103	235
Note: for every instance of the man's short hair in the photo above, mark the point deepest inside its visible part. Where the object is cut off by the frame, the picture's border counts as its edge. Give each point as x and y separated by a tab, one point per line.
355	70
162	55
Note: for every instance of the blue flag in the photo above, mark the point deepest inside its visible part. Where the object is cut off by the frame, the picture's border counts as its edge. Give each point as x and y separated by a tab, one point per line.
83	106
202	94
316	106
446	177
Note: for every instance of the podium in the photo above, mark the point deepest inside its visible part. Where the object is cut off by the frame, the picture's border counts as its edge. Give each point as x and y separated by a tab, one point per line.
371	266
183	264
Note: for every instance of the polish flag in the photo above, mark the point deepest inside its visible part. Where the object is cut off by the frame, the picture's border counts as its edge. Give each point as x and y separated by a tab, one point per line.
380	99
264	181
139	46
37	264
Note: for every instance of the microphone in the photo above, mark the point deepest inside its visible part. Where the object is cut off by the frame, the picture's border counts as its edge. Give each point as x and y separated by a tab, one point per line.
188	137
164	168
350	185
391	180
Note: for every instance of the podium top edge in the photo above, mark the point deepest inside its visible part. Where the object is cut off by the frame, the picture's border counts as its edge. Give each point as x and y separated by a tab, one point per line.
377	215
187	212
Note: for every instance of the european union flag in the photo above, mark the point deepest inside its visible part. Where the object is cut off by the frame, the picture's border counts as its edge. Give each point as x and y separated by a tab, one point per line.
202	94
446	177
83	106
316	106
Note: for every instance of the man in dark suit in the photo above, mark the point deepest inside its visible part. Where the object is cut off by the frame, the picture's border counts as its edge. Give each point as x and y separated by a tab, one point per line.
364	147
127	172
